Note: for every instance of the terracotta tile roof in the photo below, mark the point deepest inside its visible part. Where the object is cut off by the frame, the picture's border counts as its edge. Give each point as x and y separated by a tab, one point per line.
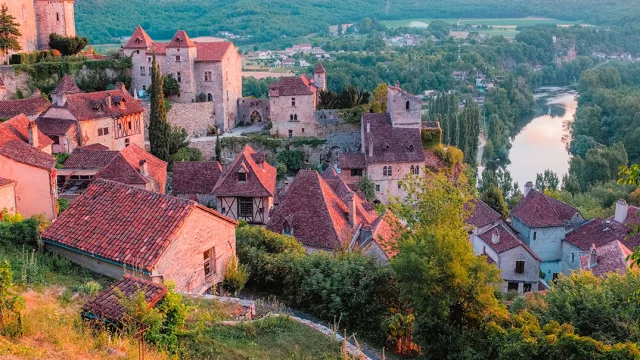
540	210
482	214
53	126
17	129
31	106
611	257
319	69
391	144
180	40
107	305
351	161
125	168
507	240
261	177
344	192
123	224
600	232
66	85
212	51
291	86
159	48
89	158
139	40
195	177
4	182
14	144
89	106
386	231
93	147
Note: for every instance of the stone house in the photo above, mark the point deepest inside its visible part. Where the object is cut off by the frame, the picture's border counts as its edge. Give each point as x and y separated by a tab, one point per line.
25	158
293	101
40	18
209	71
114	229
31	107
324	214
251	111
112	118
542	223
195	180
602	245
132	166
246	189
7	196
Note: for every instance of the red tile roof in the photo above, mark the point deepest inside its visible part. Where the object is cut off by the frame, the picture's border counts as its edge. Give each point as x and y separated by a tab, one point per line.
482	214
125	168
261	176
391	144
89	106
181	40
540	210
66	85
159	48
506	240
122	224
4	182
344	192
291	86
319	69
53	126
351	161
93	147
191	177
14	144
89	158
212	51
386	231
139	40
611	257
107	305
31	106
600	232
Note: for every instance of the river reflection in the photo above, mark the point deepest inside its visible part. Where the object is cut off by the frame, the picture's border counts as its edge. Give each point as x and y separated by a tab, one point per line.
542	144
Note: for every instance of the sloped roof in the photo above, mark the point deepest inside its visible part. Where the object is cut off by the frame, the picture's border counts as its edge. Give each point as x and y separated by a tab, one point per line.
319	69
195	177
89	106
291	86
122	224
540	210
385	232
180	40
391	144
482	214
351	161
600	232
107	305
261	176
212	51
31	106
139	40
4	182
66	85
14	144
89	158
611	257
344	192
53	126
507	240
124	168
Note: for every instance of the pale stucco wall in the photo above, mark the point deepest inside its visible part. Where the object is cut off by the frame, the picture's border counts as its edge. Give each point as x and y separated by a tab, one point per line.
8	199
570	257
35	188
281	110
96	265
89	130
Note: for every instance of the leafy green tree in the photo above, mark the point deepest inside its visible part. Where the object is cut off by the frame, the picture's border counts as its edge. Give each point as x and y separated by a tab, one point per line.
599	165
67	45
170	86
281	171
547	181
9	31
367	186
235	276
379	104
494	198
159	127
294	159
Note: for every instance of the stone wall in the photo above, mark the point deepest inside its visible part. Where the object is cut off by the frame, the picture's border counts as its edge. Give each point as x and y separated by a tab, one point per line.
397	103
247	107
13	81
54	16
327	117
196	118
282	108
24	13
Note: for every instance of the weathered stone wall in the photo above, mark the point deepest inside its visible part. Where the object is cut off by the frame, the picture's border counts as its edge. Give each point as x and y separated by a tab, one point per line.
183	70
281	110
397	101
13	81
54	16
196	118
327	117
24	13
246	108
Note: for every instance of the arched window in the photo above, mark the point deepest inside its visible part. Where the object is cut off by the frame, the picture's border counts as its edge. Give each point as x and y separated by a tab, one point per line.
413	170
209	97
407	105
286	228
384	171
390	171
295	117
57	16
291	117
417	169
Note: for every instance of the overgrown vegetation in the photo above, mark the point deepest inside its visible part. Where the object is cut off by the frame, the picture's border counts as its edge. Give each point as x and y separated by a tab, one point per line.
67	45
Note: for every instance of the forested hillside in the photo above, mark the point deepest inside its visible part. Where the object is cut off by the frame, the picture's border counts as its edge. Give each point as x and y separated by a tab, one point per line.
103	20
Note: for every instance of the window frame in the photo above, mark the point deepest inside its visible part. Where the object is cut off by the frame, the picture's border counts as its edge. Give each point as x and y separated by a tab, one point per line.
520	265
245	204
209	262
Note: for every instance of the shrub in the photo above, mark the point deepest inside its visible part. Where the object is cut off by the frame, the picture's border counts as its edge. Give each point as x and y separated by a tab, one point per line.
281	171
235	276
21	232
368	187
294	159
91	288
67	45
170	87
63	204
187	154
11	304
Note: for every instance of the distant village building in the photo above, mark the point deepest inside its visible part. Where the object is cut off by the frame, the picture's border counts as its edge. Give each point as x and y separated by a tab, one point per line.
132	166
25	158
115	229
195	180
112	118
211	71
246	189
30	107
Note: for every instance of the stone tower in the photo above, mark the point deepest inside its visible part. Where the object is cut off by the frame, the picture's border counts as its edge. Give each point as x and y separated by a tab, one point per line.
404	109
54	16
320	77
180	62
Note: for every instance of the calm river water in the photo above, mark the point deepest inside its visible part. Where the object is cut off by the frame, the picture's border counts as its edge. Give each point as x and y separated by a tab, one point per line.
542	144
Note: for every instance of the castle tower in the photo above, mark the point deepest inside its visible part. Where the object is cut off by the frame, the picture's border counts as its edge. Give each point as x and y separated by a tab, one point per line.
180	62
320	77
54	16
404	109
140	49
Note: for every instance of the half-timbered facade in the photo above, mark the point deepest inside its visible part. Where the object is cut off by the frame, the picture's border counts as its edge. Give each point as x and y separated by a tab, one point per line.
246	189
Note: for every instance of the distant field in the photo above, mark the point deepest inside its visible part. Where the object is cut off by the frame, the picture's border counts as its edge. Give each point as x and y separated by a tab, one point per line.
423	22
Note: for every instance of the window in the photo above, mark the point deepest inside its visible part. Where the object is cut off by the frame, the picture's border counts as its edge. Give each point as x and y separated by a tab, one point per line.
242	177
208	76
290	117
209	261
534	235
144	87
129	124
356	172
127	142
149	59
573	257
519	267
407	105
399	186
303	130
413	170
293	101
103	131
177	58
526	288
143	71
57	16
245	207
512	286
56	140
386	171
295	117
290	133
286	229
179	77
417	169
378	187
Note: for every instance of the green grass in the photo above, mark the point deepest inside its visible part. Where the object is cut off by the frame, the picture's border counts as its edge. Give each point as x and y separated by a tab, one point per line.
485	21
271	338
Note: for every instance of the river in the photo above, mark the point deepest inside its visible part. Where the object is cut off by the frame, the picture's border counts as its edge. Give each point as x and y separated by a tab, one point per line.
542	143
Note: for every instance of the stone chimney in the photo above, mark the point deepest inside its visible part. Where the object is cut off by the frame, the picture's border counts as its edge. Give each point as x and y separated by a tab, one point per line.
32	130
107	100
370	148
495	236
120	86
593	256
36	93
144	168
350	201
621	211
527	188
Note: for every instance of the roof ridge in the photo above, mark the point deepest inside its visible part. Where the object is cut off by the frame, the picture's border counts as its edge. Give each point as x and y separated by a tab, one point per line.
326	206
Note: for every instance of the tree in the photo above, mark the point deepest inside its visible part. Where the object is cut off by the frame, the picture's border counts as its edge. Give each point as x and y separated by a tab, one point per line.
11	304
379	104
170	86
67	45
494	198
367	186
441	280
159	128
218	149
9	31
547	181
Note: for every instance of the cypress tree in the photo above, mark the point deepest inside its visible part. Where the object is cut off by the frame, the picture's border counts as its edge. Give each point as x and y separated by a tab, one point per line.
159	128
218	149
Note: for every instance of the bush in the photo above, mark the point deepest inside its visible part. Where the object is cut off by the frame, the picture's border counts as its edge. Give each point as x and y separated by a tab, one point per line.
67	45
170	87
281	171
235	276
11	304
187	154
294	159
22	232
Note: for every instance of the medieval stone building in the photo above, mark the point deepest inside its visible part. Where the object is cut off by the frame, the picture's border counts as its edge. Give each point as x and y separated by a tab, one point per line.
205	71
40	18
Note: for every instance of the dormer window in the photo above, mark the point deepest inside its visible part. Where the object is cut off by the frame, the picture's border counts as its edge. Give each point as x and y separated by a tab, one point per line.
242	177
411	148
407	105
286	229
178	40
386	147
138	40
